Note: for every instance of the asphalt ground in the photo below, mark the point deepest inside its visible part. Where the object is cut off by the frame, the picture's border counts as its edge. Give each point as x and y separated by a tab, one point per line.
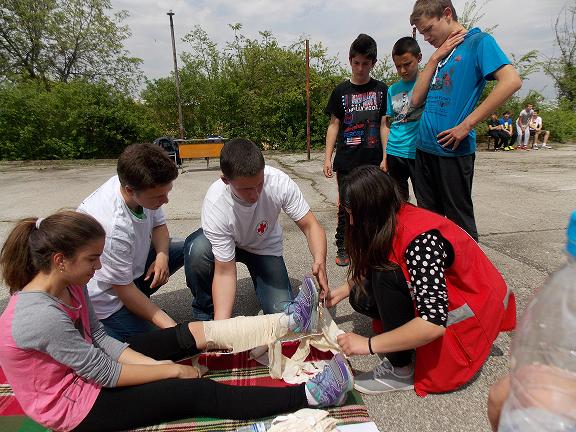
522	200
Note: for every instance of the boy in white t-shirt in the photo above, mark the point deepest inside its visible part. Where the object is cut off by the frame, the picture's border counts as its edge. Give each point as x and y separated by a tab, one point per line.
536	131
139	255
240	223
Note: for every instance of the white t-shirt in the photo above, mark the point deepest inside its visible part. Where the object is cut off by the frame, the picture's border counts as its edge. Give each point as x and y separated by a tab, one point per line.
524	118
128	240
229	223
536	123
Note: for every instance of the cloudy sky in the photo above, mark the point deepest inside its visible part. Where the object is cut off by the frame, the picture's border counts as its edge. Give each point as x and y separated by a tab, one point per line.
522	26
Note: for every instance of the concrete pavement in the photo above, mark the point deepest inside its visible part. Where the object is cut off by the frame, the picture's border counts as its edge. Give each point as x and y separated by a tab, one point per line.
522	200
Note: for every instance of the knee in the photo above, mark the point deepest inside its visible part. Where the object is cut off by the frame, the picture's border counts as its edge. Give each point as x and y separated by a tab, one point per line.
197	248
361	303
496	398
355	304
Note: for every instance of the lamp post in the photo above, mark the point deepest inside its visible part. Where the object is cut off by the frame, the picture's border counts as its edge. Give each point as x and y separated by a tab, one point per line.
180	121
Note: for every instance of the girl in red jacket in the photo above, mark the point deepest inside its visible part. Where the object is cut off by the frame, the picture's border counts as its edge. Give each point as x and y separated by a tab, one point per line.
440	300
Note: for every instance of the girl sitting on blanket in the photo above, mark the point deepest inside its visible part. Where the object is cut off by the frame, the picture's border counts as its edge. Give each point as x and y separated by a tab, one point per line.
68	374
440	300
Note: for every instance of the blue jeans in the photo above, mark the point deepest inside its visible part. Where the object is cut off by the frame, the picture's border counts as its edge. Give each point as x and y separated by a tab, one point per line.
268	273
122	324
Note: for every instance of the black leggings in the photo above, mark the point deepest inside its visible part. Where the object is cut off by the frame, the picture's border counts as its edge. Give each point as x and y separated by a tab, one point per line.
122	408
387	298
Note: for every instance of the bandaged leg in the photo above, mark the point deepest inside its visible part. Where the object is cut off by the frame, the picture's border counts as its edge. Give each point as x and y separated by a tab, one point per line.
244	333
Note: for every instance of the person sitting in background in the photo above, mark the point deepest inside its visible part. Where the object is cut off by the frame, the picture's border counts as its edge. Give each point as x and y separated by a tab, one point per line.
523	126
495	131
536	130
506	122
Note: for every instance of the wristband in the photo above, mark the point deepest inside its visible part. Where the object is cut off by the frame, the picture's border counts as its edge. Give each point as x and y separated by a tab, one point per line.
370	345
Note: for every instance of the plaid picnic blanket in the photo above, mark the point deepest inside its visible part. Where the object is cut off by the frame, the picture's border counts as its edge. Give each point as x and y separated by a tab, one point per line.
235	369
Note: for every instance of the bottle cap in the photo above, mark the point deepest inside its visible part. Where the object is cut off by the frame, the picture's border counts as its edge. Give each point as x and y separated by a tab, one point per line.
571	234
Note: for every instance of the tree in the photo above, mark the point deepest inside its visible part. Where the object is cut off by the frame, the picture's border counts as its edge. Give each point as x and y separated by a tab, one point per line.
562	69
472	14
384	70
250	87
63	40
73	120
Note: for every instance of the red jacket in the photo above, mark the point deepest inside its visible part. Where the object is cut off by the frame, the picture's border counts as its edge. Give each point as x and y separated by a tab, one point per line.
480	305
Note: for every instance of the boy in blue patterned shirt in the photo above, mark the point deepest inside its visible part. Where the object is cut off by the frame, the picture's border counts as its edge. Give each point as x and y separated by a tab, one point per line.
451	85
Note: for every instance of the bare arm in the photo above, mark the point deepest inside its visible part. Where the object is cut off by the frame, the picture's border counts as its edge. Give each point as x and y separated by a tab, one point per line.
508	83
415	333
331	135
137	303
335	296
316	238
384	134
422	84
425	77
129	356
224	288
161	242
537	126
134	374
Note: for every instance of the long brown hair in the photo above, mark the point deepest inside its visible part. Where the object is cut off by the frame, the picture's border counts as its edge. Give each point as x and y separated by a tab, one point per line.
30	245
373	199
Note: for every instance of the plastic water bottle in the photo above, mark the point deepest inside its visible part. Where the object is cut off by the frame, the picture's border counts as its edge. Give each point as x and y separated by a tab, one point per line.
543	364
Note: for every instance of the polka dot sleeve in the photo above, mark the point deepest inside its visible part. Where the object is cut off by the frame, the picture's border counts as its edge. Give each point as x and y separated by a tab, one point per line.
426	258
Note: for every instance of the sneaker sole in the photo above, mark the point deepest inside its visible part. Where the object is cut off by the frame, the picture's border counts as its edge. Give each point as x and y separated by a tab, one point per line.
309	281
363	390
350	385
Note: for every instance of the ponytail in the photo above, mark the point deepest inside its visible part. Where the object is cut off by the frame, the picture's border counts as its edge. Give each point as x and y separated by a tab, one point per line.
29	248
15	259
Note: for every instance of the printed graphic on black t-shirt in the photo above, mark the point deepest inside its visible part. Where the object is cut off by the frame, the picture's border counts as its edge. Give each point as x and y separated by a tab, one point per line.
359	125
360	109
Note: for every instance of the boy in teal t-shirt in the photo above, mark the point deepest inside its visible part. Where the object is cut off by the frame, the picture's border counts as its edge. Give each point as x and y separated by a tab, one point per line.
402	119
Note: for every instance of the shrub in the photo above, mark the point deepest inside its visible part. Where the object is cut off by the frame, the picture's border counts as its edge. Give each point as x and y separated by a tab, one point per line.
71	121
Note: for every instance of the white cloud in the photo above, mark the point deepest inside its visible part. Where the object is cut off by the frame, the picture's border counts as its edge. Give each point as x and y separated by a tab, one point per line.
522	26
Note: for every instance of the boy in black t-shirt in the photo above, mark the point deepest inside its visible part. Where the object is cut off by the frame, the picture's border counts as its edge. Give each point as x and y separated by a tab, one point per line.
356	108
496	131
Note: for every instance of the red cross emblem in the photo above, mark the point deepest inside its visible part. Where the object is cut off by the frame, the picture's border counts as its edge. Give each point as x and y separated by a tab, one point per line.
262	227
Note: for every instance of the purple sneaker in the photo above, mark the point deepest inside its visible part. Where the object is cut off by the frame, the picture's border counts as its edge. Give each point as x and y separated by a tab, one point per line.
331	386
303	310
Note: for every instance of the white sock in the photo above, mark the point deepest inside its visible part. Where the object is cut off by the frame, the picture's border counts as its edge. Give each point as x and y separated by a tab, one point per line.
287	322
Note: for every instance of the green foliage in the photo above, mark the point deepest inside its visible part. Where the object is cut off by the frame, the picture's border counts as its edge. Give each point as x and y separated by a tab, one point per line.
63	40
73	120
472	14
251	87
560	121
385	70
562	69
